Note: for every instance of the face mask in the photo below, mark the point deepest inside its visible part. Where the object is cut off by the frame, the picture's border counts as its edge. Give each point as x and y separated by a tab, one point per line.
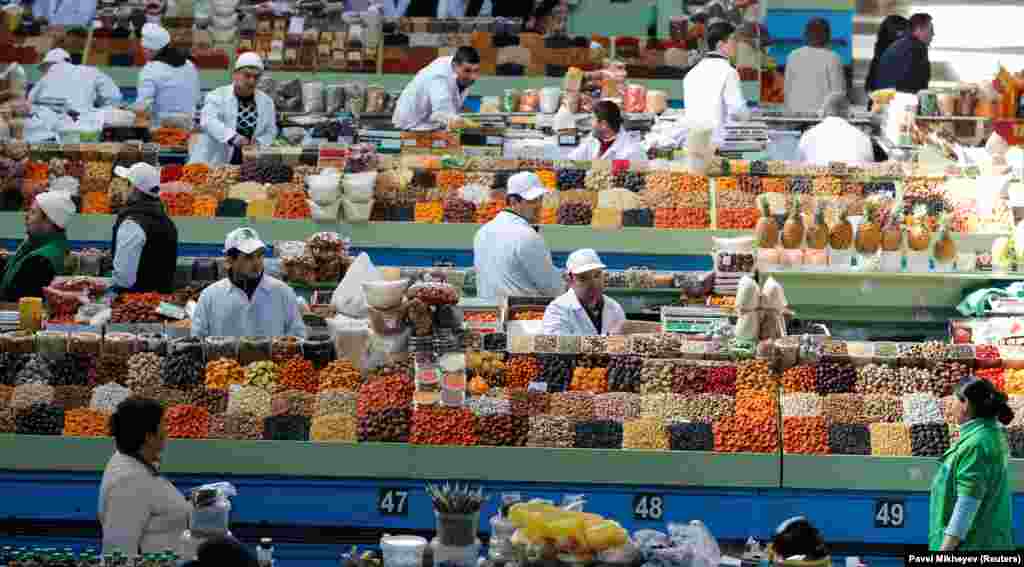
245	281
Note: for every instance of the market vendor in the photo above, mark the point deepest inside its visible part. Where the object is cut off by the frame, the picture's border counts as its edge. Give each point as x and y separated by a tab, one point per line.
971	505
436	94
509	255
235	116
82	88
169	83
41	256
835	139
797	540
145	240
247	303
814	71
608	140
711	90
584	309
67	13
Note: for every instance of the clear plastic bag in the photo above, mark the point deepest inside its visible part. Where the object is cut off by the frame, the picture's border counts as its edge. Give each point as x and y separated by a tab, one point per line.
211	507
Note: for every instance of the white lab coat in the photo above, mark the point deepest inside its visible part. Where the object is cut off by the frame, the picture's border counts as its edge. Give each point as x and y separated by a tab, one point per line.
66	12
712	94
511	259
835	140
625	147
430	98
566	316
218	120
812	74
83	88
172	89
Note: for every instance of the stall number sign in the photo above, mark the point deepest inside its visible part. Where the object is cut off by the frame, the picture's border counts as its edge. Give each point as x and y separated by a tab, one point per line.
648	507
890	514
393	502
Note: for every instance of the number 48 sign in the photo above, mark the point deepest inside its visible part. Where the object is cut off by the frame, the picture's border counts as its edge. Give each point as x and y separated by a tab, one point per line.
889	514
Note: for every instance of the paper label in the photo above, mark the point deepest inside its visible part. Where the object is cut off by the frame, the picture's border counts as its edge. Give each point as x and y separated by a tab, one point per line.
541	387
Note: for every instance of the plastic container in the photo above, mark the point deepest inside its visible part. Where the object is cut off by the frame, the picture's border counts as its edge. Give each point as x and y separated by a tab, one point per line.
456	530
455	556
402	551
253	349
549	99
385	294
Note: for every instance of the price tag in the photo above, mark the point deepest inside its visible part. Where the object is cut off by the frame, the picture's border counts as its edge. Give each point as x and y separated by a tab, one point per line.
648	507
495	141
537	387
393	502
567	140
890	514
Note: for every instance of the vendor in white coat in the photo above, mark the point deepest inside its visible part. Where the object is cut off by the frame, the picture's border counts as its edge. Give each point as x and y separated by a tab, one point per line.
82	88
584	309
169	83
67	13
247	303
510	256
235	116
835	139
711	90
436	94
607	139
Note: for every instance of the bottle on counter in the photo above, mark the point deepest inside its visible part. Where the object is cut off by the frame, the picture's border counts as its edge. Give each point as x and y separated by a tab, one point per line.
265	552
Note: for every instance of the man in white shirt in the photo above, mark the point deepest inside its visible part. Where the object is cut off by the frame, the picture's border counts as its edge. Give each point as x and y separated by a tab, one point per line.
813	72
82	88
608	140
510	257
247	302
584	309
711	90
835	139
436	94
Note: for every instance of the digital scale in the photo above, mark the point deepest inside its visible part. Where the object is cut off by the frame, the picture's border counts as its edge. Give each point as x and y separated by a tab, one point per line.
697	323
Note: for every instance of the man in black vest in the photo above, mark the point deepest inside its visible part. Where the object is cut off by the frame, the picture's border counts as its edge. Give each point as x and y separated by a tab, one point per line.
145	241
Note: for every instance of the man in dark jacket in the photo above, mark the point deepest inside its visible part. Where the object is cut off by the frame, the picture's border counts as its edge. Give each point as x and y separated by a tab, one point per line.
145	241
526	10
905	66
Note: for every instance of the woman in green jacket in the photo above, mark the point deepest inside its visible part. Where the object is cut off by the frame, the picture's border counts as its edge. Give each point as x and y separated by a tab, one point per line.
971	501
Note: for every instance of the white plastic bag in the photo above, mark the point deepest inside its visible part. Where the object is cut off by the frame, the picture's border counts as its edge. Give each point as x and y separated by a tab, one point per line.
694	541
348	298
211	508
748	301
359	187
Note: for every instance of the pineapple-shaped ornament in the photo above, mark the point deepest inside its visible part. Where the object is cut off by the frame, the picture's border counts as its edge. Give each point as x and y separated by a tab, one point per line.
840	239
767	230
892	241
793	230
919	239
869	234
945	247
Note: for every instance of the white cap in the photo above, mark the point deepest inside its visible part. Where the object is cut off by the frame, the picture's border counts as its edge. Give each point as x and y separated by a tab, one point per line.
583	261
244	239
57	55
57	205
155	37
526	185
249	59
142	176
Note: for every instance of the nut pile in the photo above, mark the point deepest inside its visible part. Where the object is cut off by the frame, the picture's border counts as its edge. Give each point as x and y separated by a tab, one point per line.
26	395
890	439
578	213
223	373
691	437
551	431
67	397
844	408
443	426
39	418
602	434
144	370
521	369
339	427
801	378
502	430
929	439
84	422
187	422
802	405
108	396
36	369
755	375
689	379
335	401
293	402
657	376
262	373
250	400
340	374
921	408
835	378
556	371
213	401
649	434
181	370
848	439
297	373
805	435
578	406
624	373
878	379
75	370
617	406
286	428
391	392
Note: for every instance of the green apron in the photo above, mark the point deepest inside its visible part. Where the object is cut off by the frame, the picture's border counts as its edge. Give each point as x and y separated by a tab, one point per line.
975	466
52	247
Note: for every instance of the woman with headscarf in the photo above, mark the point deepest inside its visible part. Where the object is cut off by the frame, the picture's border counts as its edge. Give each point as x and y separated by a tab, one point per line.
169	83
891	29
41	256
971	504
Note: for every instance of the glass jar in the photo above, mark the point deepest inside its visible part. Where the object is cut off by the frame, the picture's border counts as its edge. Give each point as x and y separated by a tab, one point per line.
253	349
319	350
152	342
123	344
285	348
221	347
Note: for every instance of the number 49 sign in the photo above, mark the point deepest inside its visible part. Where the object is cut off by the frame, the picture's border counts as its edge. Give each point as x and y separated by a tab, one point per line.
890	514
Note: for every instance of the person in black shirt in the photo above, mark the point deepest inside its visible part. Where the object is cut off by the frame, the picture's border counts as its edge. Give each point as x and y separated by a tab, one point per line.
905	66
145	240
891	29
526	10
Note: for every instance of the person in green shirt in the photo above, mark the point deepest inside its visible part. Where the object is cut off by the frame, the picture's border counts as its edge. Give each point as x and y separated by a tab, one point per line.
41	256
971	503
